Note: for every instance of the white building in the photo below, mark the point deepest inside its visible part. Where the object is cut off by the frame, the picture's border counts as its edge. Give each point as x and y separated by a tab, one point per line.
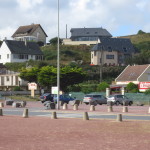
19	51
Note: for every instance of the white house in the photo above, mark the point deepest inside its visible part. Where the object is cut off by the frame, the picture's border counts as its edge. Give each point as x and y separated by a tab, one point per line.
33	32
10	79
19	51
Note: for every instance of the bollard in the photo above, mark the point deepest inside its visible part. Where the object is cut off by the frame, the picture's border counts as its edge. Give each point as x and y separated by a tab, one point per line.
92	108
119	117
110	109
1	112
25	113
75	107
1	104
54	115
65	106
85	116
149	110
125	109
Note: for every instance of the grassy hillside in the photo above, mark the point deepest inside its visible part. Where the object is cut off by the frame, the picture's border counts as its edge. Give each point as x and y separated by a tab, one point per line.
68	53
138	38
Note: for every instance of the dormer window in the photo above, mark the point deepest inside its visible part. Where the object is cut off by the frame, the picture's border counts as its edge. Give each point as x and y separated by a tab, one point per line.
125	49
109	49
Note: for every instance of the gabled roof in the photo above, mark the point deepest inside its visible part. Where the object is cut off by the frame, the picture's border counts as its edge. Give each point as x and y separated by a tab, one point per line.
116	44
84	32
132	73
27	30
19	47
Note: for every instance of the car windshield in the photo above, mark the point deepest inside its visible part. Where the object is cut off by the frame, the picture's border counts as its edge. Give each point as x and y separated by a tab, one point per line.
46	94
111	96
88	95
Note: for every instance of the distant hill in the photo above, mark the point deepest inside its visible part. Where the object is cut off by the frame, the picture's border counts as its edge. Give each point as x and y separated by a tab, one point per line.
138	38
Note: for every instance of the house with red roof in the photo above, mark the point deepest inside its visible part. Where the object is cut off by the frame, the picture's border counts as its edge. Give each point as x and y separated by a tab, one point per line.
137	74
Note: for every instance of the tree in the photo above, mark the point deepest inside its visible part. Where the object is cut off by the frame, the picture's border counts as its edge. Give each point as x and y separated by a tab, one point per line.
71	76
54	41
29	74
47	76
141	32
102	86
1	42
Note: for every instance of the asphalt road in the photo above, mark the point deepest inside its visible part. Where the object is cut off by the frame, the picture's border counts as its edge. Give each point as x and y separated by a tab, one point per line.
74	114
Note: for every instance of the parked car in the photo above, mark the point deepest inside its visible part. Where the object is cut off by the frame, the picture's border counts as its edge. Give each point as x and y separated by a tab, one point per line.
94	99
46	97
118	99
53	98
64	97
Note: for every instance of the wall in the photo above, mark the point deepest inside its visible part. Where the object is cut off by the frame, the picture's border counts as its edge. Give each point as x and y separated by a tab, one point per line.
4	50
70	42
41	36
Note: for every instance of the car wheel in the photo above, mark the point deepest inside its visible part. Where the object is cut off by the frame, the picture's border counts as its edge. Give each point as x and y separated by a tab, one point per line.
86	103
117	103
130	103
100	103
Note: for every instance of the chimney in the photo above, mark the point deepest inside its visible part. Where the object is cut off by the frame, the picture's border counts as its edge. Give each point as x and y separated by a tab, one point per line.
25	42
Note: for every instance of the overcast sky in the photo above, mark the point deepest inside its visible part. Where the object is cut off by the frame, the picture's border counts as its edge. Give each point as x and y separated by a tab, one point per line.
119	17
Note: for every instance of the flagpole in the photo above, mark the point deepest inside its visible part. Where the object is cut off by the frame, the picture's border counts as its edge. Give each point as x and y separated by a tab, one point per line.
58	62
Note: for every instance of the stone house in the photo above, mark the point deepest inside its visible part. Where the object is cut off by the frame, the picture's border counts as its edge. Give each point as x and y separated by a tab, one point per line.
33	32
112	51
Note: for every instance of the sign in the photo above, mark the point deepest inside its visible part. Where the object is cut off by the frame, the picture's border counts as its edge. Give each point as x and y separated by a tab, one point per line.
32	86
143	86
54	90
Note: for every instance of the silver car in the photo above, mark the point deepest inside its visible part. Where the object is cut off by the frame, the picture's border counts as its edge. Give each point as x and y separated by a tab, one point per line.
119	99
94	99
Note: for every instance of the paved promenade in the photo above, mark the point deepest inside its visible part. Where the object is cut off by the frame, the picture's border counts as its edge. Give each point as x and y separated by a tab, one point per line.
44	133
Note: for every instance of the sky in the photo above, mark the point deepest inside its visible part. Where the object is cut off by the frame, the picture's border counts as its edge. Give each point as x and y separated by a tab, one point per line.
119	17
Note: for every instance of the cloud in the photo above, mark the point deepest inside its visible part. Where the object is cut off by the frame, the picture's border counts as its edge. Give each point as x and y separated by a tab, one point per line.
119	17
28	4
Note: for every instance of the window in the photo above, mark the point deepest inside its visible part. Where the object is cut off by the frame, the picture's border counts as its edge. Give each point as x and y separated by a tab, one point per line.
7	56
94	53
0	56
7	78
109	56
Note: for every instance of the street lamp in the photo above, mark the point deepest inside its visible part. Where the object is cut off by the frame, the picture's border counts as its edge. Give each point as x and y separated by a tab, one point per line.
58	61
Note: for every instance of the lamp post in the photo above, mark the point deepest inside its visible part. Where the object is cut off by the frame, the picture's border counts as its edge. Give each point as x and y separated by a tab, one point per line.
58	61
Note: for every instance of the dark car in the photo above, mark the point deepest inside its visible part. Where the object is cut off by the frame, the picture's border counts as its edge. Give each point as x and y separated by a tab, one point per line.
53	98
64	97
46	97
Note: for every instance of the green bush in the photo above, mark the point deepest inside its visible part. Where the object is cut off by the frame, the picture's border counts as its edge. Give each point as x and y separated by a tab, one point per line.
17	88
102	87
88	88
147	92
132	88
